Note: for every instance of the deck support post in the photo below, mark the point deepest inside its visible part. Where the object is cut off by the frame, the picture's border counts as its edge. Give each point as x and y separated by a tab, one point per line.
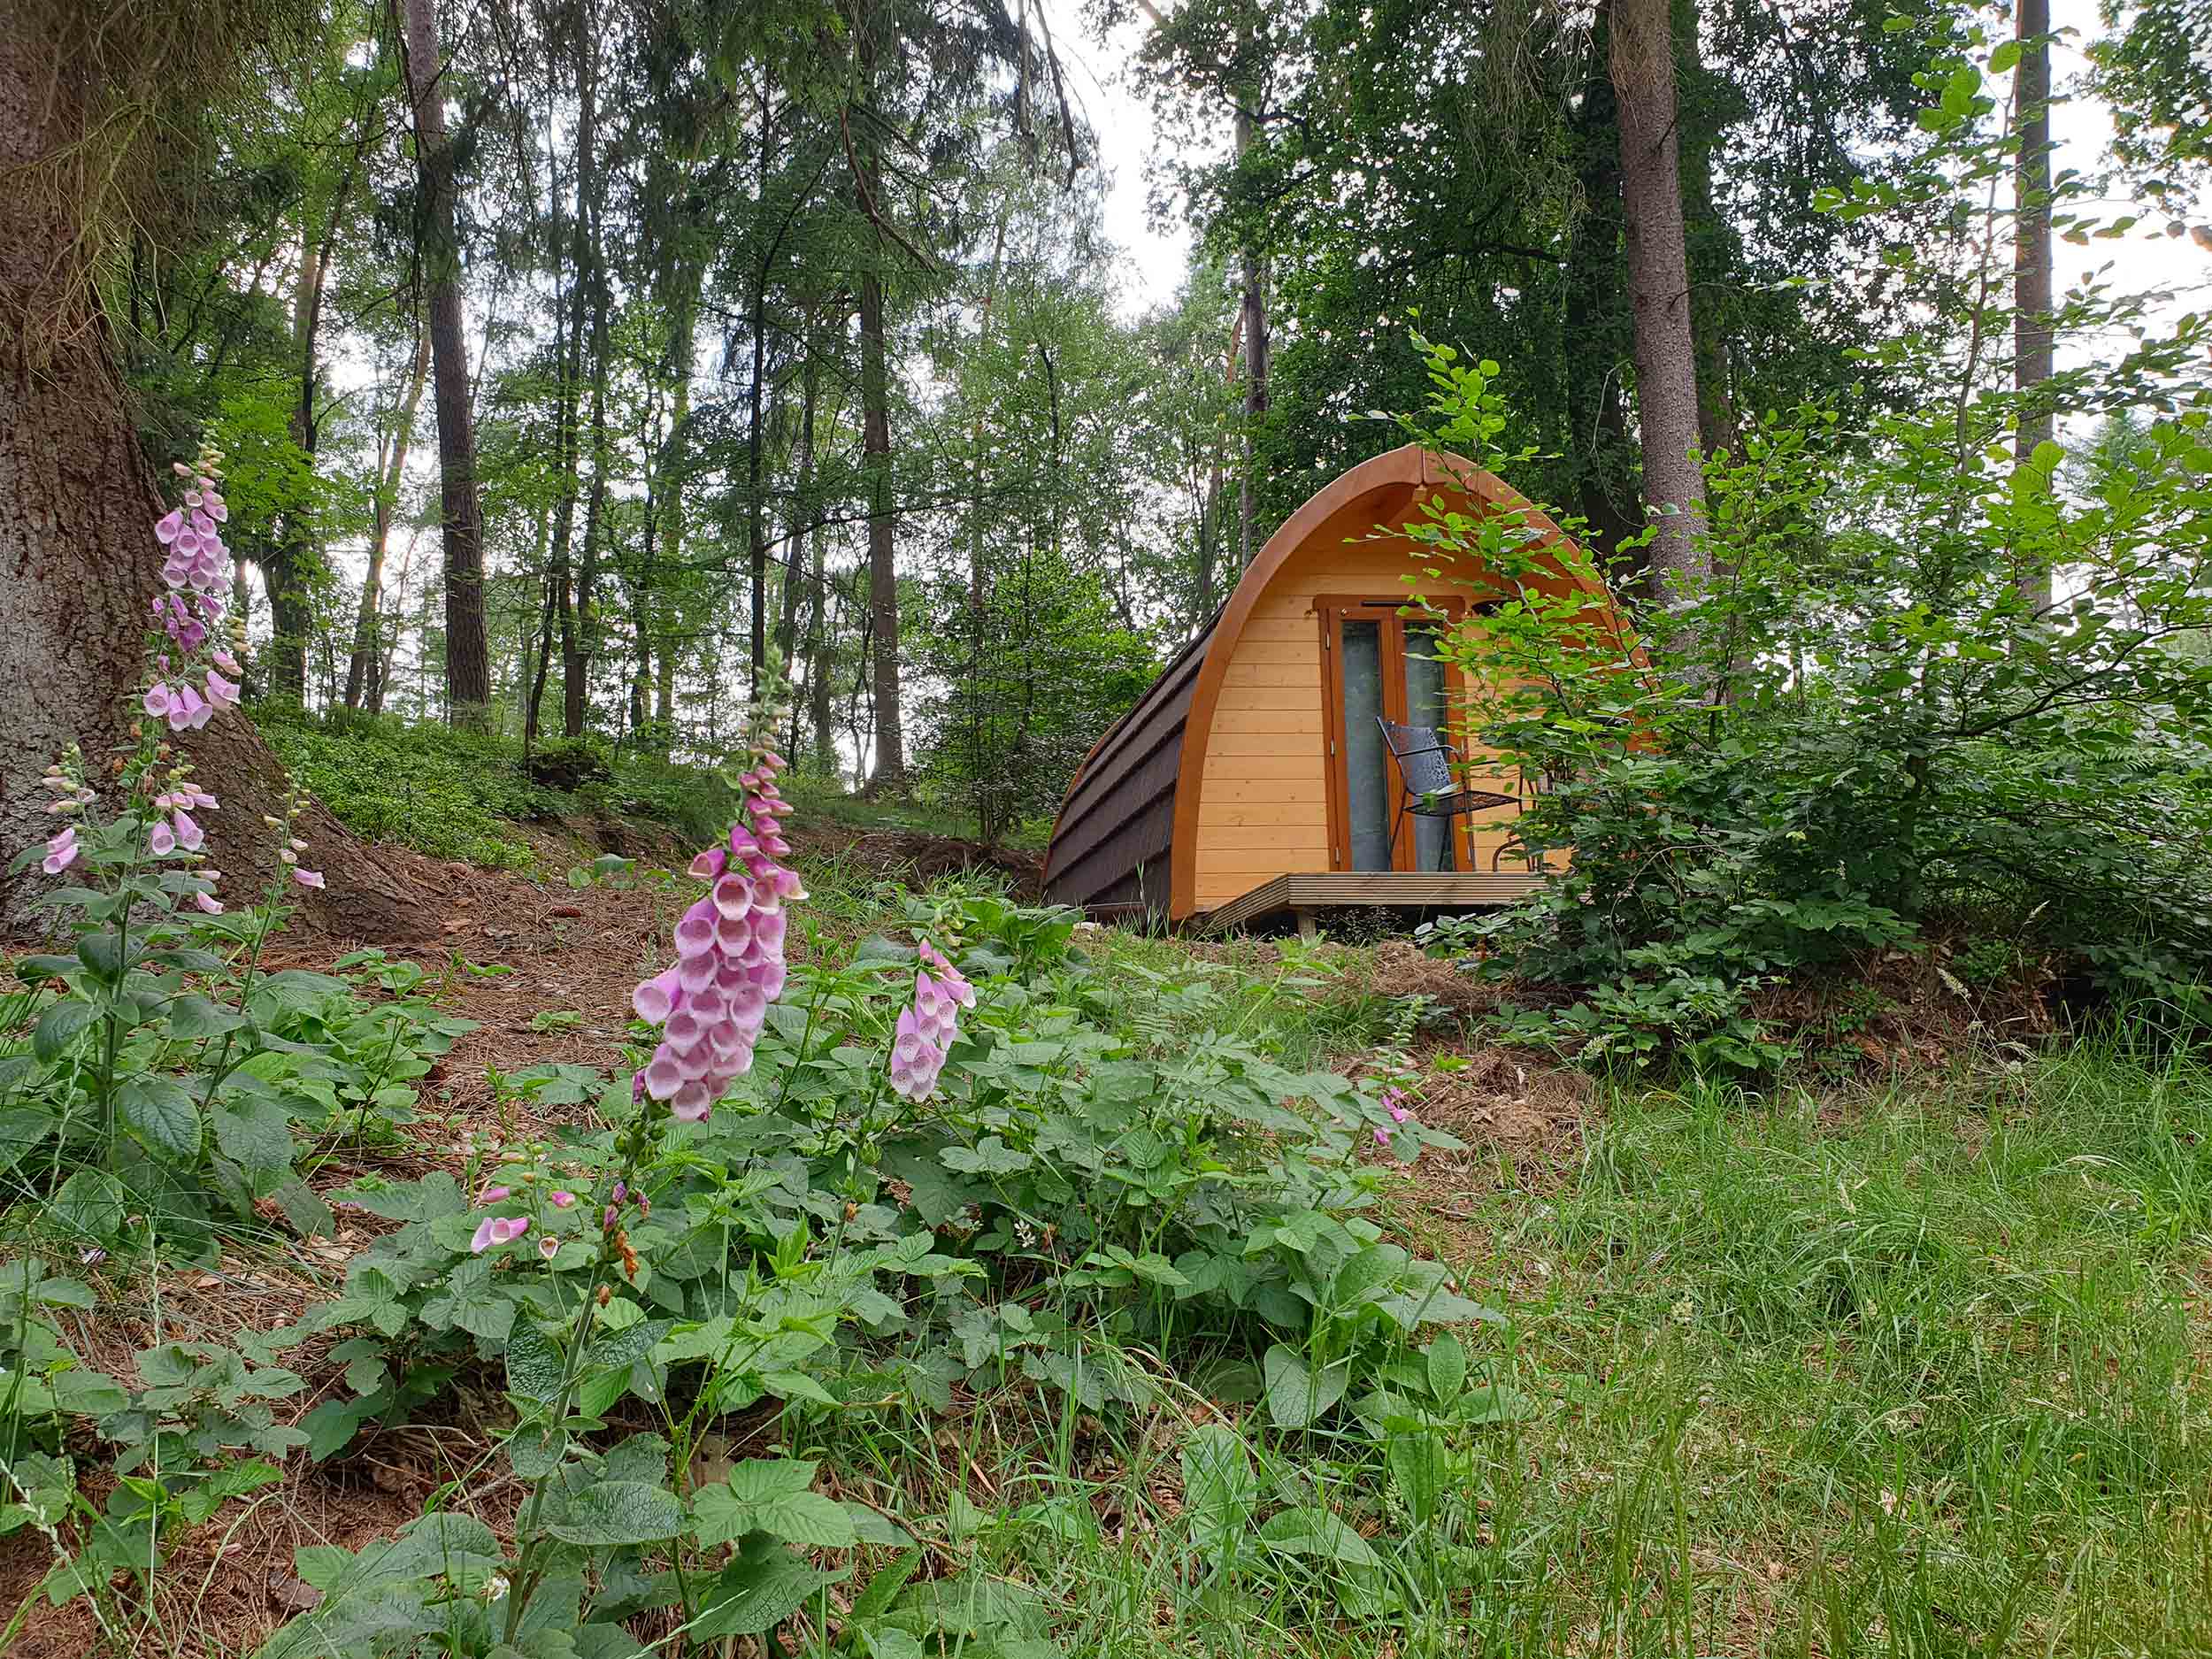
1309	930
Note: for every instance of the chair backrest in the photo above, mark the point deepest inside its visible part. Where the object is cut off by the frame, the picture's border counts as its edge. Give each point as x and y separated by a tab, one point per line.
1423	759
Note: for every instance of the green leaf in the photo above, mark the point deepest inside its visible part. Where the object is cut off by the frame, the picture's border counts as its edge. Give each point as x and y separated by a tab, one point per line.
103	952
723	1513
164	1116
991	1157
39	970
884	1587
1296	1396
88	1393
1447	1369
763	1587
1417	1467
306	1211
297	990
193	1016
190	958
1314	1531
89	1206
533	1365
623	1349
1219	1485
60	1025
22	1129
617	1512
255	1135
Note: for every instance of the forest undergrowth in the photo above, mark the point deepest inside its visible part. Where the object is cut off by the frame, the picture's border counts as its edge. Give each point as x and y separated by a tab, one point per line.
1904	1364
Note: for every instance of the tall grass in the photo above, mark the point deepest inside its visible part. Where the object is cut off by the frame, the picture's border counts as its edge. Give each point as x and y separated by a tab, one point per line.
1919	1372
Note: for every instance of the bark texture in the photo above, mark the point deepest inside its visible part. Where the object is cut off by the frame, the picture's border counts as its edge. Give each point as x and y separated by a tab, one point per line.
467	651
1642	61
79	565
1252	324
883	573
2031	256
1598	325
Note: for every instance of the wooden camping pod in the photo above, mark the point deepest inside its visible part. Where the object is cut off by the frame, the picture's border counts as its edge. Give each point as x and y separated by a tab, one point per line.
1222	779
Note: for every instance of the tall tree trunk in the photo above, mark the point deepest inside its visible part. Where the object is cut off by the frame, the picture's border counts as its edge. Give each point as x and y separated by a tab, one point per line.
1599	334
575	657
575	705
1711	245
889	773
366	642
2031	325
755	434
1208	551
293	557
684	356
883	575
79	565
802	516
1642	63
467	651
1253	324
575	708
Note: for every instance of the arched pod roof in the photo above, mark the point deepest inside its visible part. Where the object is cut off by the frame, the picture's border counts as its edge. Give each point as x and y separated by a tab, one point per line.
1125	837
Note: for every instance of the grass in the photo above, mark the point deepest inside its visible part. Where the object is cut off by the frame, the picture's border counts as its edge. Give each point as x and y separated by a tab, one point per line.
462	795
1918	1374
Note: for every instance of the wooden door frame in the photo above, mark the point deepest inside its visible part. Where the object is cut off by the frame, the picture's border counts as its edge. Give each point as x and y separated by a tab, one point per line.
1329	610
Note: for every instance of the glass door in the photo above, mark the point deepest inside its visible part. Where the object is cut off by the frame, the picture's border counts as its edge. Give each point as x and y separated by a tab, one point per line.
1380	665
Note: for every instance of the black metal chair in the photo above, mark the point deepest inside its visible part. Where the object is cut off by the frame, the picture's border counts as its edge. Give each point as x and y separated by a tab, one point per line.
1426	774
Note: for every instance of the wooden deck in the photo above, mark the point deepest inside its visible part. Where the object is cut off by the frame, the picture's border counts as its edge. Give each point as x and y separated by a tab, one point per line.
1300	895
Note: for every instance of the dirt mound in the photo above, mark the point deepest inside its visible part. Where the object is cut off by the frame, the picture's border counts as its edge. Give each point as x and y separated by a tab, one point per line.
1398	968
1499	1098
913	856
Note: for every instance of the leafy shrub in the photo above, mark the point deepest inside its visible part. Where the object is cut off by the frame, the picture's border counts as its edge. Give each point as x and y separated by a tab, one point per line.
1858	726
568	766
454	794
447	793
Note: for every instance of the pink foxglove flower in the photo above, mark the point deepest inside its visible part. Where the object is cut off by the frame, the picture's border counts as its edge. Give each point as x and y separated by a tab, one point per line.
493	1194
915	1060
562	1201
927	1029
187	710
711	1005
1382	1137
498	1230
224	661
549	1247
189	834
221	694
209	902
308	878
61	852
163	841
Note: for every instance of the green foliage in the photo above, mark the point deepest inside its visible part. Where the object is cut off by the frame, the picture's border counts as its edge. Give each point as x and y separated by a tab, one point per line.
1864	720
1030	676
455	794
1068	1198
